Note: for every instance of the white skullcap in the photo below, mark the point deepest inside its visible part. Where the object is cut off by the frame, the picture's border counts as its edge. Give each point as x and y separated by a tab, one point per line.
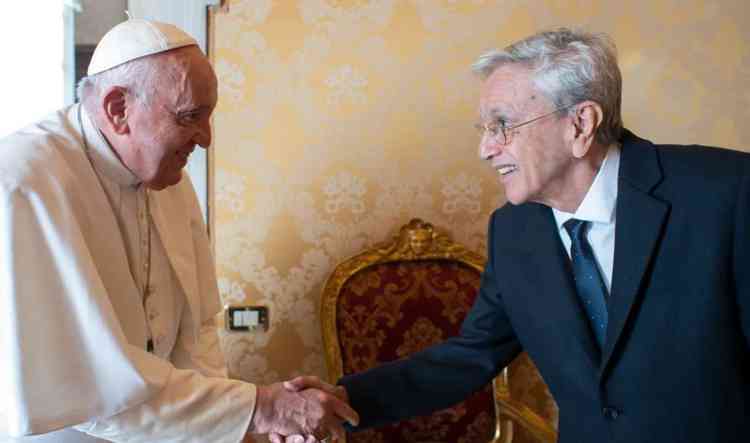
136	38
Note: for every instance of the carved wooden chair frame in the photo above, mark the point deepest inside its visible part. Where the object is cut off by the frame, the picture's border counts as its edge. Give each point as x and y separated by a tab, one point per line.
416	241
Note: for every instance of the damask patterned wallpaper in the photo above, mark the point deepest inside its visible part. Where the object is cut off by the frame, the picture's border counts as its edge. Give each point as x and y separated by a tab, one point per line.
338	120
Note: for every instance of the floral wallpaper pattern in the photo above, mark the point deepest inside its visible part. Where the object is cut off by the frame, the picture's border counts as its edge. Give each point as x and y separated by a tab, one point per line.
339	120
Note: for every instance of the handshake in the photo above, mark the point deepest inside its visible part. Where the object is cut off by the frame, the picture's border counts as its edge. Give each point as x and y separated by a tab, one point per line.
302	410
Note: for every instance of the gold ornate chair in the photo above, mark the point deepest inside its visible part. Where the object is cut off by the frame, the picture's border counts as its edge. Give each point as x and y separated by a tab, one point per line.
523	399
399	297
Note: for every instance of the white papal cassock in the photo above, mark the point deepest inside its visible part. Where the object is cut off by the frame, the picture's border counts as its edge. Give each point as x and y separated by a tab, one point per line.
74	319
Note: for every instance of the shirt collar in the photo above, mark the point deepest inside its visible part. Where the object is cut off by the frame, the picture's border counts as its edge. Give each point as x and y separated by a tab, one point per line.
103	158
598	206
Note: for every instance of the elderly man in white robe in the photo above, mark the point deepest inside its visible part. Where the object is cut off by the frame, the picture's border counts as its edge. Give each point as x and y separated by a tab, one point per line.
107	286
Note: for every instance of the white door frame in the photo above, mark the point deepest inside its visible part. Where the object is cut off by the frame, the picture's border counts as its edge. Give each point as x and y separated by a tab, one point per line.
191	16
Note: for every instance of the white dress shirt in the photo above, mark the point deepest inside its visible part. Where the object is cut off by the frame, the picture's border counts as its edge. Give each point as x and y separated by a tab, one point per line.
598	207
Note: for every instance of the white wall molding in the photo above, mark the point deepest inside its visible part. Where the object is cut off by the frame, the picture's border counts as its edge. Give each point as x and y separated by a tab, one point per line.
191	16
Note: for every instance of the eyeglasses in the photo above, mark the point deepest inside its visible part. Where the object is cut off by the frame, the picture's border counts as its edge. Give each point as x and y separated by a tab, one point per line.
499	133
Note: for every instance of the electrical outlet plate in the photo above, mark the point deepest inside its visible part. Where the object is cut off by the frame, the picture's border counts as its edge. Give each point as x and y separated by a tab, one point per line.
246	318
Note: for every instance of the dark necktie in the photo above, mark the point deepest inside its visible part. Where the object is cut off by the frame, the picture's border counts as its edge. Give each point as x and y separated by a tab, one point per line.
589	282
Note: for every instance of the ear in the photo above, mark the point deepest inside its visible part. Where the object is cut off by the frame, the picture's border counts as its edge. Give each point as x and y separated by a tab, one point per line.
115	109
586	120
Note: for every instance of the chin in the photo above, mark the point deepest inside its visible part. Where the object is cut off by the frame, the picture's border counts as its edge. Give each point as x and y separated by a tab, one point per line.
515	198
173	181
165	182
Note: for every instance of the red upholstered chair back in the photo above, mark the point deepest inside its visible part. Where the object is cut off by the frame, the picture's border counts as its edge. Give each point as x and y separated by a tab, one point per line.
396	299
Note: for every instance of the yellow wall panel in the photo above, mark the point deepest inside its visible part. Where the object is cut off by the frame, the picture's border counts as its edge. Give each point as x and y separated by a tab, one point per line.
338	120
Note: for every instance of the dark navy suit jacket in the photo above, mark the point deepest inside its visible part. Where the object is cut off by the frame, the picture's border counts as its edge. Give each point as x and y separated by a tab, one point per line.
676	363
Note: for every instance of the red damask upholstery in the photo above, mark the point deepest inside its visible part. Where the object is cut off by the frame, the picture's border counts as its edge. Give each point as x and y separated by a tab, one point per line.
394	300
391	310
399	297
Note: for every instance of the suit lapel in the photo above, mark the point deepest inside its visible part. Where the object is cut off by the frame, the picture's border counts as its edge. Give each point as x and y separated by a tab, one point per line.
640	221
545	255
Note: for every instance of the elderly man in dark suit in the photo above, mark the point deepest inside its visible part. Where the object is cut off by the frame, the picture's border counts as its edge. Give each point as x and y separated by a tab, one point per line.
621	266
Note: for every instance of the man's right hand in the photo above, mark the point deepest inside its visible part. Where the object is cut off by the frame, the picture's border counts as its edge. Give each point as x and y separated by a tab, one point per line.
310	381
313	411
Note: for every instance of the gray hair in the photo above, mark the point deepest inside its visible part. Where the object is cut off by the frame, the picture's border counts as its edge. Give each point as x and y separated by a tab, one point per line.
137	76
568	67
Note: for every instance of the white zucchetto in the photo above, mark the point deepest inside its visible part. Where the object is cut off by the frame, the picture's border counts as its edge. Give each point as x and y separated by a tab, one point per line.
136	38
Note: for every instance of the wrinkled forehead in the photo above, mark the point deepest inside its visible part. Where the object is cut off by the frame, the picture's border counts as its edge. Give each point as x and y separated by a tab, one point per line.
186	75
510	89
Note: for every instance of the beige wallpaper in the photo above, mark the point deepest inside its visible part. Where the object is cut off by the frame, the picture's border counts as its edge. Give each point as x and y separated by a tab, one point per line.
338	120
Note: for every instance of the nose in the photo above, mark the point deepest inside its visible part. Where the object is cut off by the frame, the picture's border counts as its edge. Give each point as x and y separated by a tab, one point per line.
489	148
203	134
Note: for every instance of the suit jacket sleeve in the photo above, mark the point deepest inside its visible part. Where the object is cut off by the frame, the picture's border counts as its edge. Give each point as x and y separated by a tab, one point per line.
742	256
444	374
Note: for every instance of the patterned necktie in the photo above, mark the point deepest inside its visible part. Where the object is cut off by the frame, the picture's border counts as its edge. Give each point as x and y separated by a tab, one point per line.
589	282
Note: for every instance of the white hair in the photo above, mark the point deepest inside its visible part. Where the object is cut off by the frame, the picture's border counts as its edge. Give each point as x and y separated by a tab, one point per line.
137	76
568	67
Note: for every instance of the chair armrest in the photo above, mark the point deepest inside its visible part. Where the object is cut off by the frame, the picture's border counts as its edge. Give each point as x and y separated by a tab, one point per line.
528	419
508	408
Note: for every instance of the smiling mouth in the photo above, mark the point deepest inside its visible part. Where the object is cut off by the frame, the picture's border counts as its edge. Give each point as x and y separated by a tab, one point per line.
504	170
